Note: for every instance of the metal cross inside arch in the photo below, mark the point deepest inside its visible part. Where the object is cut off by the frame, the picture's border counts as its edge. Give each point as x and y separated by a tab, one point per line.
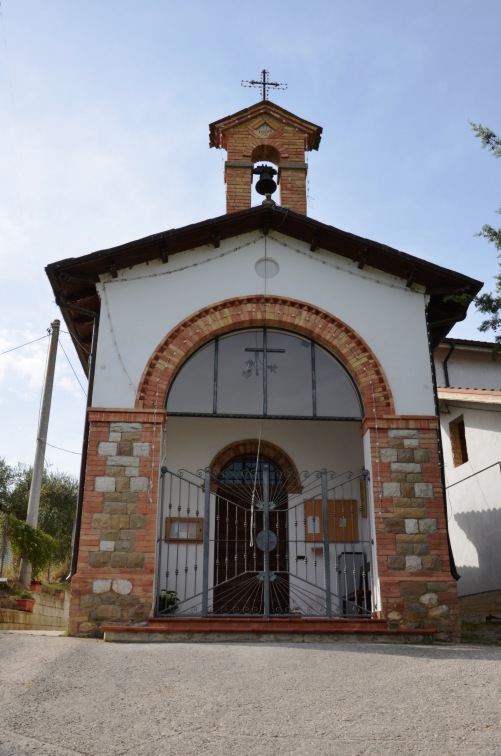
264	83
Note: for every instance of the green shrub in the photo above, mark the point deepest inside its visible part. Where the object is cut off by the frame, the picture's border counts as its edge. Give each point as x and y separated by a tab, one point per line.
167	602
31	543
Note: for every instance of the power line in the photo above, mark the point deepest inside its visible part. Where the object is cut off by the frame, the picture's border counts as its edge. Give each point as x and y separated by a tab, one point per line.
71	366
23	345
74	337
61	449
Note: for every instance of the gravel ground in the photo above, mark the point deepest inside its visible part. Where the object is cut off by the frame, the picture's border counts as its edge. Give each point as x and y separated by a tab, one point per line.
63	696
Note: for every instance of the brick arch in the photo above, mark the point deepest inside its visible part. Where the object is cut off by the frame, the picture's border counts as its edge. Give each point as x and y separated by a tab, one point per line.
277	312
250	446
278	142
266	152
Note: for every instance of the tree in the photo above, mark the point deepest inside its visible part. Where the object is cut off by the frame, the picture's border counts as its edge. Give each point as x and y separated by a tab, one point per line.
58	503
58	498
490	304
7	483
15	490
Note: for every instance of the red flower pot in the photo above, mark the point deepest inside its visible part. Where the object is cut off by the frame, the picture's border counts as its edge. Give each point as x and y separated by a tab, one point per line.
25	604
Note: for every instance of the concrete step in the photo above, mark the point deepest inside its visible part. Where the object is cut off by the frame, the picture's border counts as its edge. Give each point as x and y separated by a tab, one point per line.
286	629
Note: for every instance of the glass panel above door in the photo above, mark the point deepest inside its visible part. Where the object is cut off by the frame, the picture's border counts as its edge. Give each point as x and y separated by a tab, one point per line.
264	373
289	375
240	374
335	393
193	389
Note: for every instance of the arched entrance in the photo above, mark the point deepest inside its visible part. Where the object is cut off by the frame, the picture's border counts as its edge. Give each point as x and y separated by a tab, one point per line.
293	392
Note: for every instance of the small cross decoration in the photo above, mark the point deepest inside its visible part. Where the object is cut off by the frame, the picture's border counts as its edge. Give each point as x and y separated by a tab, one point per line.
264	83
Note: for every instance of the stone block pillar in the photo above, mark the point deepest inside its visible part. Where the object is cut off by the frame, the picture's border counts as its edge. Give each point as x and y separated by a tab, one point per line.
416	586
114	581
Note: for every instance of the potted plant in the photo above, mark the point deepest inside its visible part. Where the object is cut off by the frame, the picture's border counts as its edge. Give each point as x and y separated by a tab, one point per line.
25	602
36	586
167	602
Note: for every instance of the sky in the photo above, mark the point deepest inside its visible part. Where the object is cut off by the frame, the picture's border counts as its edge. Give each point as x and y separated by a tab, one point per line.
104	114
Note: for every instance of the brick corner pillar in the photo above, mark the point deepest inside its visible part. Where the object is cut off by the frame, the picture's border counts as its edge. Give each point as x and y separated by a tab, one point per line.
292	182
238	178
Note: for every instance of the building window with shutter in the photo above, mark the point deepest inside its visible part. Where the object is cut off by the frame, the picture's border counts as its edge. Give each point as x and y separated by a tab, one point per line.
458	441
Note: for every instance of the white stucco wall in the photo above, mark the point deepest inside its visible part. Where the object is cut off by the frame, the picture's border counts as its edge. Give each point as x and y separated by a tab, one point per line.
192	442
474	495
468	367
144	303
473	488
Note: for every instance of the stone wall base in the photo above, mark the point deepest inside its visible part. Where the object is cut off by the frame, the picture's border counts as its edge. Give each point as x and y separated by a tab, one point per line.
49	613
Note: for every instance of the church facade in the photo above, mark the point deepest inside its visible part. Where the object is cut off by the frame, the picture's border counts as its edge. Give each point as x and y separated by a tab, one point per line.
262	438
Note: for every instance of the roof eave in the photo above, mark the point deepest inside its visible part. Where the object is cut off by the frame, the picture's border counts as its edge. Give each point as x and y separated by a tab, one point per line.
74	280
217	128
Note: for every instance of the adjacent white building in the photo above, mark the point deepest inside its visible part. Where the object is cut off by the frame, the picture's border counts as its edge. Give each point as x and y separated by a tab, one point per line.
469	391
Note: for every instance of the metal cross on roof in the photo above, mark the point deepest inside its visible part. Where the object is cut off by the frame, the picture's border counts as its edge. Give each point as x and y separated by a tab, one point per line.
264	83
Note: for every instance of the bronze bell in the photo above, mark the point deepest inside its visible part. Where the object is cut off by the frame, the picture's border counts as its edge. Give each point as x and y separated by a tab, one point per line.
266	183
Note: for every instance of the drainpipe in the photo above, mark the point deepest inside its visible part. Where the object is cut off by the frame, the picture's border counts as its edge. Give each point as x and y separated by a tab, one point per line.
444	365
455	574
85	444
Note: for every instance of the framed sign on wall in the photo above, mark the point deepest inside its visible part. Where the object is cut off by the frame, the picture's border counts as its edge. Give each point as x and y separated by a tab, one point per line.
184	529
342	519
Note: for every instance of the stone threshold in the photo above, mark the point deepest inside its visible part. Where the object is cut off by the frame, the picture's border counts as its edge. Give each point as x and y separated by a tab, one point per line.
217	629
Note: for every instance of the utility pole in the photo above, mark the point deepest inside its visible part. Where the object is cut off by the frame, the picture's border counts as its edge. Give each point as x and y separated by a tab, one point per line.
38	465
